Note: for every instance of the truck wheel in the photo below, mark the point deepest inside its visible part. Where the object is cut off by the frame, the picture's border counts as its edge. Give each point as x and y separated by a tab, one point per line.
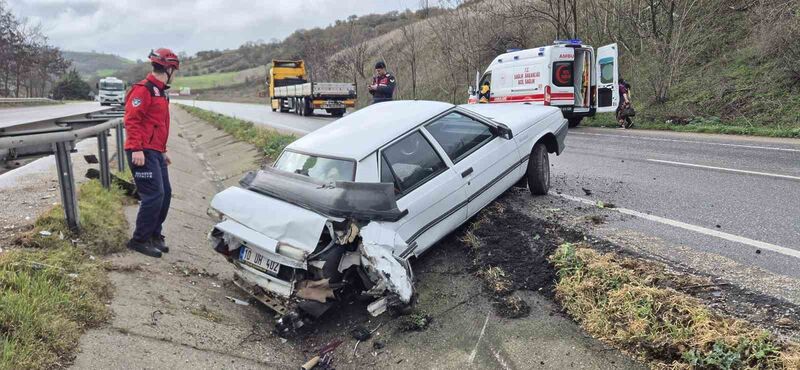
307	110
284	106
337	112
574	121
539	170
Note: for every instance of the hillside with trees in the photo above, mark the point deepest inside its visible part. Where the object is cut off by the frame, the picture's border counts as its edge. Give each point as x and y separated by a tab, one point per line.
93	64
29	65
729	64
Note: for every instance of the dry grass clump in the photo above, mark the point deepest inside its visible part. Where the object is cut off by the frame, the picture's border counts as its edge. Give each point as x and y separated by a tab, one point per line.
497	281
617	302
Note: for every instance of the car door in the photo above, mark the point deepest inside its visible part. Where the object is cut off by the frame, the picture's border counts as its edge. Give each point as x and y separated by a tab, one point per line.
431	191
485	160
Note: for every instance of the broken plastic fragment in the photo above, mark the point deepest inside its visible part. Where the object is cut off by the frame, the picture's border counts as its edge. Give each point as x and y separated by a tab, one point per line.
238	301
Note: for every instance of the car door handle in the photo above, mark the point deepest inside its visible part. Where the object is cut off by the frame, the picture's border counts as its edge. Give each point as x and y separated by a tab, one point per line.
466	172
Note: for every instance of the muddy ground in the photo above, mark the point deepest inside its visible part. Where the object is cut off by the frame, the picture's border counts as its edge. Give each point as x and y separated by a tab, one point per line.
174	312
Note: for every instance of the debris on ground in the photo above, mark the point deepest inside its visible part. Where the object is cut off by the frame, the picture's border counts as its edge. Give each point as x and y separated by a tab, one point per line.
417	321
237	301
377	344
586	191
360	333
324	357
512	307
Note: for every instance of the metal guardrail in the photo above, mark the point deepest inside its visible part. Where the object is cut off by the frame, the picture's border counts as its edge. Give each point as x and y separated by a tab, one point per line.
26	100
62	139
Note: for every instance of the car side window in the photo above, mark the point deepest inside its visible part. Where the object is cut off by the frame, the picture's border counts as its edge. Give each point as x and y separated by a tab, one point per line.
410	162
459	135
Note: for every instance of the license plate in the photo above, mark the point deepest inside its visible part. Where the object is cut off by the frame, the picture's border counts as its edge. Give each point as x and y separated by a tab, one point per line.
258	261
332	104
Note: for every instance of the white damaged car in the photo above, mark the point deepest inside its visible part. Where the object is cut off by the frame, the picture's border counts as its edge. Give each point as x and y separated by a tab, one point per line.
344	208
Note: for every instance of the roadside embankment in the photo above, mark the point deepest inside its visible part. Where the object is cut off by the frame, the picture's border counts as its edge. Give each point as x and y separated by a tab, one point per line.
54	286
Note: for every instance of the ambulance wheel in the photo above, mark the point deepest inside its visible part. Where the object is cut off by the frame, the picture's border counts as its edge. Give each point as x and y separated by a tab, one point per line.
539	170
574	121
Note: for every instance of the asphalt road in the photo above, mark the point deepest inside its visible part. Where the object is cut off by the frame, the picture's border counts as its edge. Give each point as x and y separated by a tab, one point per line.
15	116
727	195
734	196
263	114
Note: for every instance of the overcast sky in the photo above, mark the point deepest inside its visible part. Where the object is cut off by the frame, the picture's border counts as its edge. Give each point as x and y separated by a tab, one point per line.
130	28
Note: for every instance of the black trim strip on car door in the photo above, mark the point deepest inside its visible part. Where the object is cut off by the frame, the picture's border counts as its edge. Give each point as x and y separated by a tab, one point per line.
412	240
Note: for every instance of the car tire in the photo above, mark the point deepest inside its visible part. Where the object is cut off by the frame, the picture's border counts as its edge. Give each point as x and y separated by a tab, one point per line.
539	170
574	121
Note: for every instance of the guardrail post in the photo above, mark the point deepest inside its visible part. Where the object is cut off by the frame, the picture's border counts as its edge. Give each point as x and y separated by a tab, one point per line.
102	153
120	147
66	181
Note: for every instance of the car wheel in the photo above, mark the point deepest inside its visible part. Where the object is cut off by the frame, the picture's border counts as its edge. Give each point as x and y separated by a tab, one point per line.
539	170
574	121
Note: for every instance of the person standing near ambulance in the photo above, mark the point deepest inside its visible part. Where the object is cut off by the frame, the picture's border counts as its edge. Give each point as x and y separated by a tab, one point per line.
147	131
382	88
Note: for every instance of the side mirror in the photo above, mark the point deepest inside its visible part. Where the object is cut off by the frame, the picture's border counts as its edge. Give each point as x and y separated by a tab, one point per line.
503	131
471	91
97	85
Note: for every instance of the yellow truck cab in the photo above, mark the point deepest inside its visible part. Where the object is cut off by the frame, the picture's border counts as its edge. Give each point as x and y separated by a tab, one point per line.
569	75
290	91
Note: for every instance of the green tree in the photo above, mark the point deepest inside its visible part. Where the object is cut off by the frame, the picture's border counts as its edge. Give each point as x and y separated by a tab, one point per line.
72	86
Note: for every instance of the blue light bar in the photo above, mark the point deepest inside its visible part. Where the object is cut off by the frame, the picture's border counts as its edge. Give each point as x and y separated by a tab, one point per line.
568	42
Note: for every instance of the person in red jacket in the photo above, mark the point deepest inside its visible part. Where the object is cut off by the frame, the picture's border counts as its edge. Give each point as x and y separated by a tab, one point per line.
147	130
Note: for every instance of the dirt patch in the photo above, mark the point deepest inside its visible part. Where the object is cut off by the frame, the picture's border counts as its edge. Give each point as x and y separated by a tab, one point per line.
416	321
512	249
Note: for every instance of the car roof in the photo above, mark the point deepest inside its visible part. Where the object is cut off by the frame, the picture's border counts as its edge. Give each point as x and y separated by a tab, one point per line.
360	133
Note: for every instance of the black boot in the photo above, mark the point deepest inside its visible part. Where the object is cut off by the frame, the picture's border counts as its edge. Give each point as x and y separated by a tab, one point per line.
159	243
145	248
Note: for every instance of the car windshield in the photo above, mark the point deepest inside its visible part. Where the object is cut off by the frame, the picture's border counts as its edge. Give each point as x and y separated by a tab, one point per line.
320	168
112	86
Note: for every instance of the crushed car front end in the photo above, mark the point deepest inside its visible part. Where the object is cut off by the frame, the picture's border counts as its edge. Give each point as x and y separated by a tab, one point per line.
301	245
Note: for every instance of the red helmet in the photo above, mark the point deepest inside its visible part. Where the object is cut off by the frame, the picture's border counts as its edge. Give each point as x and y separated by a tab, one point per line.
165	57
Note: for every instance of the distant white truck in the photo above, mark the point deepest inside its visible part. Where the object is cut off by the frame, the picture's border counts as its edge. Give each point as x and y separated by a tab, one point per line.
111	90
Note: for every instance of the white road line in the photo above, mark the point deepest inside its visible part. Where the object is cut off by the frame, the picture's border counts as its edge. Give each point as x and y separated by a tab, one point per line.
698	229
692	142
726	169
483	331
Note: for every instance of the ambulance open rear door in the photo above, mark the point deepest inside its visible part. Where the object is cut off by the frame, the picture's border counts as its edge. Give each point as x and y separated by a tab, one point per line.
607	77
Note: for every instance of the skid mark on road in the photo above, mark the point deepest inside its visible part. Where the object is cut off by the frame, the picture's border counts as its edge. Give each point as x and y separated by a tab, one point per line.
483	331
698	229
690	142
726	169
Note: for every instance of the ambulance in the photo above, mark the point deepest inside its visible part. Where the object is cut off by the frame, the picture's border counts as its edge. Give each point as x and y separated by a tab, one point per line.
578	79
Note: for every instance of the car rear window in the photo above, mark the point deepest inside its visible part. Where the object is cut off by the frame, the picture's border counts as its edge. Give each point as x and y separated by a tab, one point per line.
317	167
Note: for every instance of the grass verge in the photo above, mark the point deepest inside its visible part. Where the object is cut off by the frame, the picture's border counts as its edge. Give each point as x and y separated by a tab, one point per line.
53	288
270	142
617	300
706	126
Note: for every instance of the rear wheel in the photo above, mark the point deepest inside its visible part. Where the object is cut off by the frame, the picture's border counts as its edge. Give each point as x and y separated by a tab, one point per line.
337	112
539	170
307	109
284	106
574	121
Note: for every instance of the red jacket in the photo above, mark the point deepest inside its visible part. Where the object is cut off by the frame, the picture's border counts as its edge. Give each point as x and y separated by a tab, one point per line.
147	116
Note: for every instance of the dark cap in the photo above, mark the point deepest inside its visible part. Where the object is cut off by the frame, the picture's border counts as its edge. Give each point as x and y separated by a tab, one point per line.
380	64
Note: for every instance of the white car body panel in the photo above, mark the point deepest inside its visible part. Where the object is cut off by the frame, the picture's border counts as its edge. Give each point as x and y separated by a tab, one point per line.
290	224
425	213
